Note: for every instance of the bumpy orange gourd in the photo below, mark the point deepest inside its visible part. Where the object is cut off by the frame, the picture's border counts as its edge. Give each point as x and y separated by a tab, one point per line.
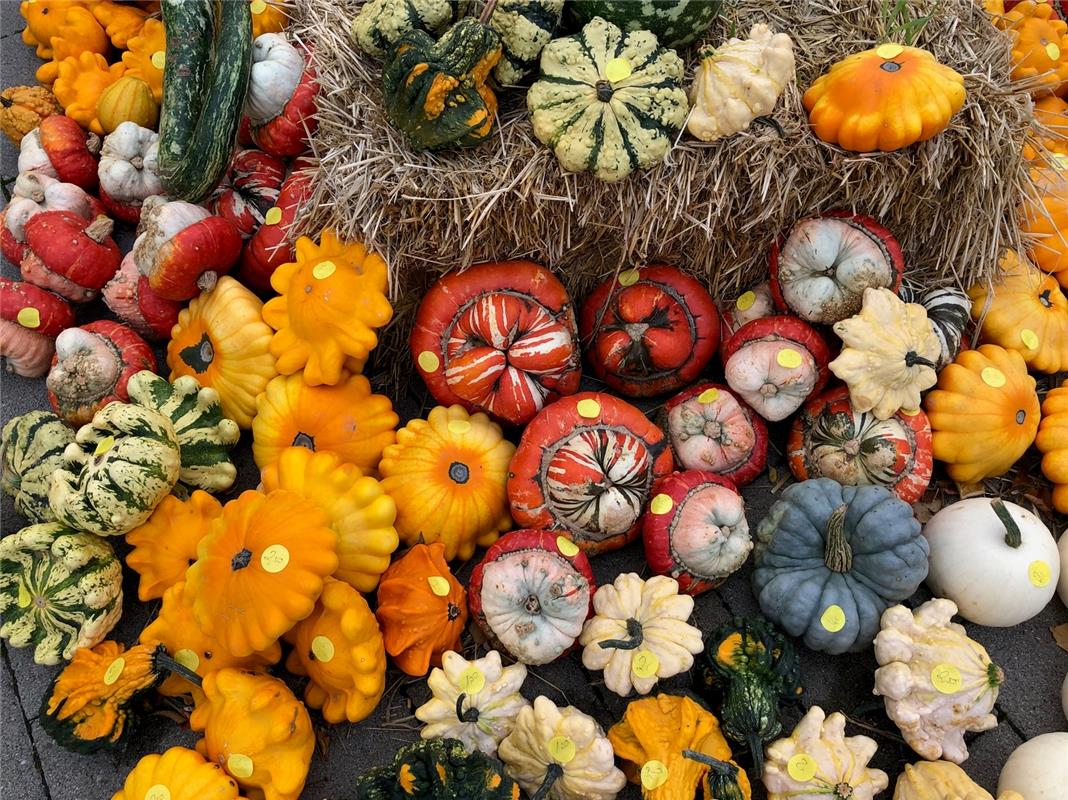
448	474
183	773
79	84
984	413
360	512
345	419
22	108
339	647
260	569
1025	311
146	55
1052	440
257	731
121	21
1039	44
69	20
885	99
1052	114
269	16
330	302
422	609
1045	218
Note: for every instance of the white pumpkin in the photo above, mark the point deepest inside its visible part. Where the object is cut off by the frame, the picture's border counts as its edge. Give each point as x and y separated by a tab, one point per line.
739	81
473	701
35	192
751	304
936	682
981	543
639	634
1038	768
129	168
1064	697
276	69
561	748
1062	584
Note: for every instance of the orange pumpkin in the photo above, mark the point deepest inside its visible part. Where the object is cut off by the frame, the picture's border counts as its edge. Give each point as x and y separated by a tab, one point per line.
182	774
1052	442
1051	113
422	609
1045	218
269	16
1039	44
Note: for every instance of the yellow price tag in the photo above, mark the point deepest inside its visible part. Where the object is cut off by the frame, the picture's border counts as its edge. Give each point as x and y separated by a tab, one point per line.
323	649
946	678
240	766
618	69
562	749
566	546
275	558
1029	338
889	50
29	317
472	681
114	671
1039	573
158	792
187	658
324	269
459	426
438	585
628	277
801	767
588	408
789	358
745	301
24	596
661	504
708	396
104	445
992	376
258	6
273	216
428	362
833	619
645	664
654	774
908	412
1053	51
159	59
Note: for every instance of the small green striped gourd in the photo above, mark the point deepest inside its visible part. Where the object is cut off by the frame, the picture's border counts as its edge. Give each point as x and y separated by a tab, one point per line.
205	436
31	449
119	468
382	23
675	22
59	590
525	27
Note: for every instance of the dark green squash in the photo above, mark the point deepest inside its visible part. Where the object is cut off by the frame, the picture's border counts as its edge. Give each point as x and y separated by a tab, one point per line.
525	26
675	22
31	449
437	769
382	23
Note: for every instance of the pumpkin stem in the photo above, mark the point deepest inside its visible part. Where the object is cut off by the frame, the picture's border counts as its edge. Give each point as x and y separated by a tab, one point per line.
722	777
241	560
207	280
100	229
163	661
470	715
838	554
487	12
551	775
93	143
771	122
713	763
5	102
604	91
633	640
843	791
914	359
994	676
1013	537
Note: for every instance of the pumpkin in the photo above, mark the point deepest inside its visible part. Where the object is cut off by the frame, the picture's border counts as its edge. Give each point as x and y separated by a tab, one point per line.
1039	45
59	590
260	569
80	80
339	647
31	449
121	21
888	357
437	769
774	364
176	628
886	98
92	367
257	731
436	92
831	439
60	149
1044	220
48	18
980	543
862	552
837	764
132	300
639	634
129	170
69	255
752	670
531	593
948	314
249	190
499	338
381	23
1062	584
1049	135
166	544
608	120
345	419
422	609
447	474
146	54
475	702
23	108
695	530
984	413
651	330
119	468
586	465
1037	769
128	99
738	82
330	302
272	243
712	430
359	510
937	683
30	321
525	28
280	104
1053	444
184	774
269	16
1025	311
664	743
33	193
941	780
751	304
675	22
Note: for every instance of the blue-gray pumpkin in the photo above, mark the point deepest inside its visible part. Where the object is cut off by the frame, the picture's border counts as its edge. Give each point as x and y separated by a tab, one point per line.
831	558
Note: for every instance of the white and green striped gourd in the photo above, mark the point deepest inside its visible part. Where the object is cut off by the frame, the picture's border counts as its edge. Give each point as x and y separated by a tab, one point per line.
525	27
31	449
382	23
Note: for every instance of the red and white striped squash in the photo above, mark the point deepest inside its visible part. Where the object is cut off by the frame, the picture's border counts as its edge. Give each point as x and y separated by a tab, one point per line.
249	190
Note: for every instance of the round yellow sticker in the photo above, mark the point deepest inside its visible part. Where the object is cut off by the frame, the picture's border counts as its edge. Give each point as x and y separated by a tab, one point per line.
562	749
628	277
114	671
588	408
187	658
428	362
323	649
104	445
566	546
324	269
438	585
654	774
459	426
833	619
801	767
159	59
618	69
889	50
158	792
258	6
1053	51
662	504
1029	338
645	664
29	317
240	766
745	301
708	396
275	558
472	681
789	358
946	678
273	216
992	376
25	598
1039	573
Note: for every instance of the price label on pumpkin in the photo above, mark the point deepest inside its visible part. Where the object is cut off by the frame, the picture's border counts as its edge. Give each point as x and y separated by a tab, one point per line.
618	69
628	277
889	50
459	426
322	649
273	216
566	546
472	681
438	585
992	376
187	658
158	792
562	749
645	664
1060	160
789	358
29	317
104	445
274	558
1029	338
428	362
24	596
114	671
588	408
324	269
661	504
1053	51
909	412
1039	573
745	301
158	59
946	678
708	396
801	767
240	765
833	619
258	6
654	774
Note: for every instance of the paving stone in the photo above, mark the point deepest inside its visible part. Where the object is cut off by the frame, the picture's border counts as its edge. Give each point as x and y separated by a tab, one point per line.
21	774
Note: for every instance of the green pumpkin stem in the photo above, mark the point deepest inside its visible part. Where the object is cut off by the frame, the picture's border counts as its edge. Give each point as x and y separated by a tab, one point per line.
163	661
722	777
914	359
838	554
1013	536
552	774
994	675
470	715
634	639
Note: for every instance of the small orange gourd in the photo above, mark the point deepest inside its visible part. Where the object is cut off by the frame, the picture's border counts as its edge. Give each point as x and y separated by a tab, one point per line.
1051	113
184	774
1039	44
1052	440
146	55
269	16
80	82
22	108
1044	219
121	21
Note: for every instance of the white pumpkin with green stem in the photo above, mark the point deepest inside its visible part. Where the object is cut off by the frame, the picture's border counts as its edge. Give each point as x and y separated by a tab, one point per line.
473	701
639	633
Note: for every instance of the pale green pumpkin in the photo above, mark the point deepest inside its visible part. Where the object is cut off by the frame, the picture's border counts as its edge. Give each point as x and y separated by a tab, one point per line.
382	23
31	449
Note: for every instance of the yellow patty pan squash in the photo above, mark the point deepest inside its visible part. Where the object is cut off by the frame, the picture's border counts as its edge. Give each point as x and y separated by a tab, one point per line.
269	16
48	18
146	55
80	82
1039	44
121	21
942	780
184	774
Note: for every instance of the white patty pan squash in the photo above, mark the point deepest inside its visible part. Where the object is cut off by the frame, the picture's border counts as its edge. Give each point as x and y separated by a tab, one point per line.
473	701
941	780
739	81
836	767
608	102
1037	769
937	683
639	633
563	750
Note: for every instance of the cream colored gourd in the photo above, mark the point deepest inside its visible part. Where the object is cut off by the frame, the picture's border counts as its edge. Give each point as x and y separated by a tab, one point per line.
1038	768
276	69
739	81
1062	584
561	748
941	780
473	701
937	683
888	356
639	633
841	762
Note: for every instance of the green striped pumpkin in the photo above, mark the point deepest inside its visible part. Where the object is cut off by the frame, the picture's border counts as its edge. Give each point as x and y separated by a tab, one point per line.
382	23
205	436
31	449
675	22
525	27
59	590
608	103
121	465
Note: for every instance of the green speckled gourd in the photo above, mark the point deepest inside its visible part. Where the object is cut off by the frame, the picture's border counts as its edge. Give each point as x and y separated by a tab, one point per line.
525	27
119	468
830	559
608	103
437	769
31	449
675	22
59	590
205	436
382	23
435	93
